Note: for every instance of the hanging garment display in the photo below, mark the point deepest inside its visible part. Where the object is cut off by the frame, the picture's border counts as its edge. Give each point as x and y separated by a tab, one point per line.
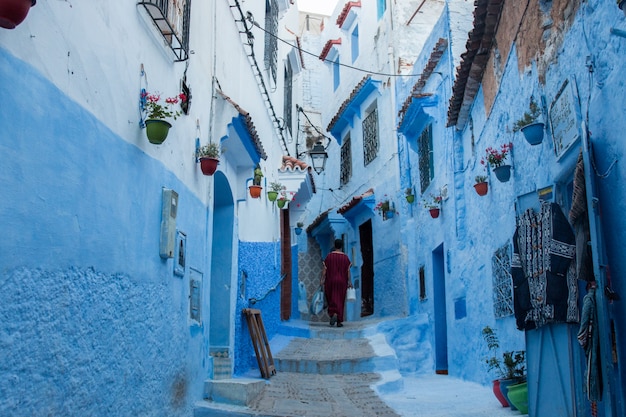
542	268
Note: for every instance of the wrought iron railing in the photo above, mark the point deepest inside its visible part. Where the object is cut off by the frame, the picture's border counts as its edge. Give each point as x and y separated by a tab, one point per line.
171	18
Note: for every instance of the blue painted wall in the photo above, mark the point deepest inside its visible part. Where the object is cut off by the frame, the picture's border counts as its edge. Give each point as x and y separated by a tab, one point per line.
260	263
92	320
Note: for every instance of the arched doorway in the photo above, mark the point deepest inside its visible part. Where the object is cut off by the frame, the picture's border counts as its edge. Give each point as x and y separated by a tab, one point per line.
222	267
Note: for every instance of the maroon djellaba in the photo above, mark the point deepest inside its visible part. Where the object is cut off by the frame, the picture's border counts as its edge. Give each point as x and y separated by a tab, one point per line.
336	280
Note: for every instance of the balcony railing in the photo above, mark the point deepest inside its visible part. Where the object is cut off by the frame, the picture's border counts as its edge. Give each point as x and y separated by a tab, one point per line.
171	18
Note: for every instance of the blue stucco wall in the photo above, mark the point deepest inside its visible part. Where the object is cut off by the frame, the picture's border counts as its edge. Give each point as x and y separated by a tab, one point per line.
92	320
261	263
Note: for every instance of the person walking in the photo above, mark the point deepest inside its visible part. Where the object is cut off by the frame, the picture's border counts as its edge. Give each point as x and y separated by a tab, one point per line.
336	280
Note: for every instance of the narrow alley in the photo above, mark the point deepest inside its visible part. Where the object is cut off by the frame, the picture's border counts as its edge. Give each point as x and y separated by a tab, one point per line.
347	372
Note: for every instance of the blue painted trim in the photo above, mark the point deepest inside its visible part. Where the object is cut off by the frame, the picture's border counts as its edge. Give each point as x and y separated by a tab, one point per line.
417	116
248	143
353	109
365	206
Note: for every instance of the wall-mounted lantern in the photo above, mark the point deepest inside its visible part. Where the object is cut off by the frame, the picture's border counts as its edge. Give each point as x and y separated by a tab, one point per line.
318	157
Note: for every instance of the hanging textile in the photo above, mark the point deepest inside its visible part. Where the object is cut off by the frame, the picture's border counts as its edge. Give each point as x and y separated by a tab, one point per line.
578	217
543	272
589	340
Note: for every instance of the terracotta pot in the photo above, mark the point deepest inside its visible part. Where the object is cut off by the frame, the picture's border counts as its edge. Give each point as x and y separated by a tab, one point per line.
481	188
255	191
208	165
434	212
13	12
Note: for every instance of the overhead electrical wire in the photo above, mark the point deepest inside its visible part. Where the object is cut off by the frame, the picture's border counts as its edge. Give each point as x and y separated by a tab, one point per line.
251	20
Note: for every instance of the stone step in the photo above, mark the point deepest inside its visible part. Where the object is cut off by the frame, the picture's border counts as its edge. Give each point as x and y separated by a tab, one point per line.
235	391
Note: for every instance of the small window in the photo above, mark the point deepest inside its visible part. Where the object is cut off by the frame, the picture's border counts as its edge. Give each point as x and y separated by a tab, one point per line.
426	166
346	160
382	7
195	297
336	74
171	18
354	43
370	136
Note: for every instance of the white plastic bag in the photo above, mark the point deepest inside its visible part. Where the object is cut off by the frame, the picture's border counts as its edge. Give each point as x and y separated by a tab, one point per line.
351	294
303	308
317	302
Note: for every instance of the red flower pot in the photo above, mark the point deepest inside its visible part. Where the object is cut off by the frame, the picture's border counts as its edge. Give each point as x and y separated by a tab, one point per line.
434	212
481	188
255	191
208	165
13	12
498	393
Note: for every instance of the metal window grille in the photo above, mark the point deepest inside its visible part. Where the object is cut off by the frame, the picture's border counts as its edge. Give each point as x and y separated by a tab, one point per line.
502	282
370	136
172	18
271	42
346	160
426	158
287	112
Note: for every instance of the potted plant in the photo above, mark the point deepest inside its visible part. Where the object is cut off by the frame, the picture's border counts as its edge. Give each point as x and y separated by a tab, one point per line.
386	208
281	200
255	188
299	227
528	124
481	186
13	12
410	197
497	160
433	205
209	157
157	127
275	188
510	368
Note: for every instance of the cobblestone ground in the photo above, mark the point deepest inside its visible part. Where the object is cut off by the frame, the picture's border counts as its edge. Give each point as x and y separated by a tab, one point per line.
315	395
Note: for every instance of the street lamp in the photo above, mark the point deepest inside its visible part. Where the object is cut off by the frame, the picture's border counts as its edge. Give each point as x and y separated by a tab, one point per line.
318	157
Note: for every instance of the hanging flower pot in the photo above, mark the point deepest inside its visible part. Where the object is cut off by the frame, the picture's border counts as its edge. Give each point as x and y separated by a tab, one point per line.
208	165
281	203
434	212
255	191
410	198
298	230
13	12
533	133
272	195
503	172
157	130
481	188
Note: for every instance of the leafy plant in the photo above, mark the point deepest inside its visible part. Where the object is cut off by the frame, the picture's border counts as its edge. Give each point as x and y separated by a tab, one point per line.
434	202
258	174
276	186
513	363
210	150
156	110
480	179
495	157
299	224
408	191
529	117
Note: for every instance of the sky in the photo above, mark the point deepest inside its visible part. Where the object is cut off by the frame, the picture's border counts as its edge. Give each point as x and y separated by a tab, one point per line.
317	6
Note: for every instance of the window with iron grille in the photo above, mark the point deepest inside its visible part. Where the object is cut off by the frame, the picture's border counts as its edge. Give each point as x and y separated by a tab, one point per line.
370	136
287	92
195	299
171	17
427	172
271	43
502	282
346	160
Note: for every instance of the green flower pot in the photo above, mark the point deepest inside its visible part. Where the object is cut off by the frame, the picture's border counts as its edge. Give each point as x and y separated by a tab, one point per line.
271	195
157	130
410	199
281	203
518	396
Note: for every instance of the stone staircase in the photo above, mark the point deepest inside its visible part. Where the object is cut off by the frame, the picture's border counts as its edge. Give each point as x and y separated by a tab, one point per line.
321	371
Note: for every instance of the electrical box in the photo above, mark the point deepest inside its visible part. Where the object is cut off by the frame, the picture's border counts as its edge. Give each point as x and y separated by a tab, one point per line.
168	223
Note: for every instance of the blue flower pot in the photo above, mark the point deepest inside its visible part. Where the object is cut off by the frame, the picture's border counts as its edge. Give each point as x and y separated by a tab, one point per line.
533	133
503	173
